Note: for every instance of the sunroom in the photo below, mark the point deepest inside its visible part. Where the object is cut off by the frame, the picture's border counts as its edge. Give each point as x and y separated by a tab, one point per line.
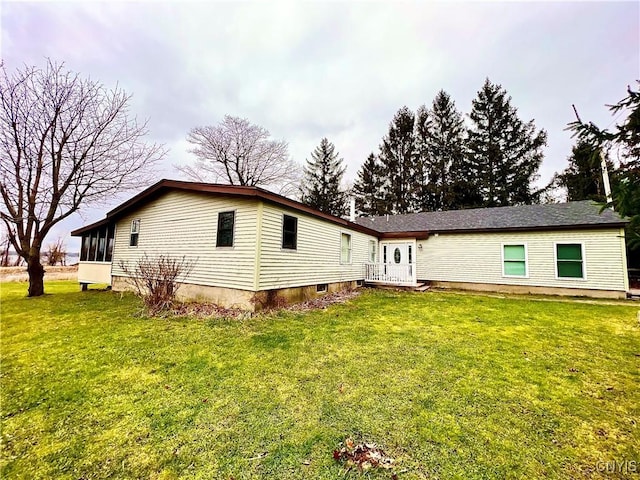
96	253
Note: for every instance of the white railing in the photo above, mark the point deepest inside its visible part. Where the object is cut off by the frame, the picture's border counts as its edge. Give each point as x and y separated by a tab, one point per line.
395	273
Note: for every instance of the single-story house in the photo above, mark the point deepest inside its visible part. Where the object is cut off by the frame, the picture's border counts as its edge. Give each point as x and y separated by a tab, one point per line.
247	244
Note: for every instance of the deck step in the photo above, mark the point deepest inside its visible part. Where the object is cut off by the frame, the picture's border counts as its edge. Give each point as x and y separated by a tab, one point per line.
423	287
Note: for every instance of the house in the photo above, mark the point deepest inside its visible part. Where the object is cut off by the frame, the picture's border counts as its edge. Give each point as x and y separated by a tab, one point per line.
248	245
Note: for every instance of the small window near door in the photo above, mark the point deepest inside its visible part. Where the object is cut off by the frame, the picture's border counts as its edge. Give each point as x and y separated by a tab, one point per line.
514	260
569	260
135	232
372	251
345	248
289	232
226	222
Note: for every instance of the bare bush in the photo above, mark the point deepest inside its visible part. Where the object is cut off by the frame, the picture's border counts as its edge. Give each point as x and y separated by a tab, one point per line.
56	253
157	279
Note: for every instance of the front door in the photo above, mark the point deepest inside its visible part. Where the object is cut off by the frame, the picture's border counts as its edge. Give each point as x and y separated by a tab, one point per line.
399	258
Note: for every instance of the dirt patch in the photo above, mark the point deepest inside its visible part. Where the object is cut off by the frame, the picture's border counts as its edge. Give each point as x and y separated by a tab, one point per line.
19	274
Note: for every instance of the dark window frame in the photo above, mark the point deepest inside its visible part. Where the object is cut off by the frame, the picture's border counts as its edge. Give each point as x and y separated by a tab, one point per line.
220	232
289	235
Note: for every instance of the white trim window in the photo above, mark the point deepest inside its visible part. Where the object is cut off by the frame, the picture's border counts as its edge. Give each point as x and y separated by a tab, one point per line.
570	261
515	260
135	232
372	251
345	248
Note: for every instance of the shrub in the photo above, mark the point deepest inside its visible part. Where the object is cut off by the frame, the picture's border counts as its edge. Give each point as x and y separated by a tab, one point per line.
157	279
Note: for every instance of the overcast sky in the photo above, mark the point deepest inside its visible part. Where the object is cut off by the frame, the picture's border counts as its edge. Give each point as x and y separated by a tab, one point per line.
336	69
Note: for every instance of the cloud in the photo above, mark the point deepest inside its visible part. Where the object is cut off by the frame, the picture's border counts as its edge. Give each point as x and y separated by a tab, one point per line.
305	70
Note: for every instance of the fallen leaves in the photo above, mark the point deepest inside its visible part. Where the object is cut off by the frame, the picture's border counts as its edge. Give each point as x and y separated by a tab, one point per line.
363	456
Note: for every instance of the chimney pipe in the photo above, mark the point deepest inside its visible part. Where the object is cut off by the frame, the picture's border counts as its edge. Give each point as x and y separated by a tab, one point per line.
352	209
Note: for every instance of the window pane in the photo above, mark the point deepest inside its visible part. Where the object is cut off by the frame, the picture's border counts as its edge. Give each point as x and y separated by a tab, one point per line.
514	252
570	269
110	234
345	251
289	232
84	248
372	251
569	252
224	236
518	269
102	244
92	247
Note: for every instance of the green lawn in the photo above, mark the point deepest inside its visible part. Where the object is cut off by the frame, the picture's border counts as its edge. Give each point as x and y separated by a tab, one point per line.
450	385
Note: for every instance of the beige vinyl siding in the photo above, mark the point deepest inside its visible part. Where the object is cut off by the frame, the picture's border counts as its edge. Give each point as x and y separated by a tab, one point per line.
317	257
185	223
477	258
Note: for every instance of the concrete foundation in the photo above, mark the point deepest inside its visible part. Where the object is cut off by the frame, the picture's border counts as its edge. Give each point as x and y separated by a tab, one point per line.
530	290
244	299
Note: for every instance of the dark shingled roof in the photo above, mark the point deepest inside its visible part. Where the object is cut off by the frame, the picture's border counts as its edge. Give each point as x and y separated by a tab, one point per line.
557	216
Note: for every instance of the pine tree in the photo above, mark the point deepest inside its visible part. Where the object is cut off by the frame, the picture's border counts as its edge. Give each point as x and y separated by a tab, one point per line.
583	177
440	142
505	153
398	158
423	189
322	179
369	188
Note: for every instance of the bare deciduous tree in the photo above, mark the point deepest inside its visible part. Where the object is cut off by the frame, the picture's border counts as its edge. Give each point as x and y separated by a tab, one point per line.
5	244
56	253
64	141
239	153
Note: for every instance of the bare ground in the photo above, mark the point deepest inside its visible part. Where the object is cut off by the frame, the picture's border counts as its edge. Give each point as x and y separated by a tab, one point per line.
19	274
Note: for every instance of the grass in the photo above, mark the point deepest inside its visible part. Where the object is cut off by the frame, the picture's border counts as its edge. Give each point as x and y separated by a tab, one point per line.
451	385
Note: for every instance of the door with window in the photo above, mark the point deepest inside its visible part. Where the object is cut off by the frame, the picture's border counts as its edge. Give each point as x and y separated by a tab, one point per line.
399	261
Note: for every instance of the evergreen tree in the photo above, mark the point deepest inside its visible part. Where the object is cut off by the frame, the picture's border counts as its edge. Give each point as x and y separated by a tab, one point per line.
369	188
423	190
322	178
398	158
583	177
504	153
440	142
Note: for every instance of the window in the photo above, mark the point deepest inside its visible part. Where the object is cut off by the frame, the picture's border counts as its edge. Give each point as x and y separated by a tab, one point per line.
226	221
110	236
92	247
84	249
514	261
289	232
372	251
135	231
569	260
322	287
102	244
345	248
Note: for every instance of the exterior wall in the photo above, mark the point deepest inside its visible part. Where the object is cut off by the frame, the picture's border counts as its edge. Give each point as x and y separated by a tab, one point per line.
317	257
477	258
94	272
185	223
